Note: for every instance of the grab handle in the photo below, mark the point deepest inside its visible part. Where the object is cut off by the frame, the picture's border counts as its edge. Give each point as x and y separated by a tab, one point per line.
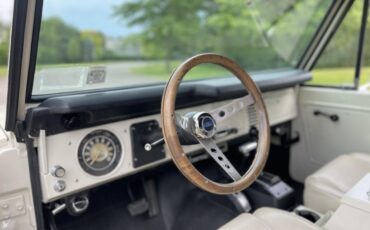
332	117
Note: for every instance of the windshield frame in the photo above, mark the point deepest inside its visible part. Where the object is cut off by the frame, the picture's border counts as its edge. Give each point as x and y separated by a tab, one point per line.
34	49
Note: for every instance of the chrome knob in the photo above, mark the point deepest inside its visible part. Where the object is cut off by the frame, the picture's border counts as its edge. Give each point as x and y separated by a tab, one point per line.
59	186
58	171
149	146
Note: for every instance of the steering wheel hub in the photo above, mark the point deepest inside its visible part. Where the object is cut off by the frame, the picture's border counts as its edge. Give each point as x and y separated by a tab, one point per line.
204	125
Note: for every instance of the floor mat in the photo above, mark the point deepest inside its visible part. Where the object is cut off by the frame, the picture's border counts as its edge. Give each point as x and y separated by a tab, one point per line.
109	211
202	211
183	207
298	191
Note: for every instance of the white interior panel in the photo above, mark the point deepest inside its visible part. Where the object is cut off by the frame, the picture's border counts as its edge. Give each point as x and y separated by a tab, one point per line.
16	203
61	149
322	139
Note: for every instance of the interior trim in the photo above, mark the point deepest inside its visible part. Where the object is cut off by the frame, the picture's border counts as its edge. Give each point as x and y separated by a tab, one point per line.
318	34
328	34
66	113
62	149
15	62
361	43
34	45
34	170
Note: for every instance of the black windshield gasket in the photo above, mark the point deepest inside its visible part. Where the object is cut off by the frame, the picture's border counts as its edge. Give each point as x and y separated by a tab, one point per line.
34	47
316	37
15	62
331	35
361	43
308	56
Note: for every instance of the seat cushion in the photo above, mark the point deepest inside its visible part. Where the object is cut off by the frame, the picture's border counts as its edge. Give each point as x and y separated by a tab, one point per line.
268	219
325	187
245	221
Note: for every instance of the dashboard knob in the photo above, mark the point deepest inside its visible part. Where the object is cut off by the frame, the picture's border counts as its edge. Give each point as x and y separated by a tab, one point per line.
57	171
59	186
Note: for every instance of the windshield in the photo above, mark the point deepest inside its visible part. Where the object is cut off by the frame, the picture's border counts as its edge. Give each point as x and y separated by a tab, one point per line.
96	44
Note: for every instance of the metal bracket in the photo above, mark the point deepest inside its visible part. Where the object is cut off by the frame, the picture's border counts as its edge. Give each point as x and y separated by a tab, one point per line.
19	131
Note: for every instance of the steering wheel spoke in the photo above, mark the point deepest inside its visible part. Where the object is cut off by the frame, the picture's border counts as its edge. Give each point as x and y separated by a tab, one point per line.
215	152
228	110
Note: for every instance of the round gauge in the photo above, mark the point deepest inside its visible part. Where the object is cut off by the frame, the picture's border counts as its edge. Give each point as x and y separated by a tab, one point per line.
99	152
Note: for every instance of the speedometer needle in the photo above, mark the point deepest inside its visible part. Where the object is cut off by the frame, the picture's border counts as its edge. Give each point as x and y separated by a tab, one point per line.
96	157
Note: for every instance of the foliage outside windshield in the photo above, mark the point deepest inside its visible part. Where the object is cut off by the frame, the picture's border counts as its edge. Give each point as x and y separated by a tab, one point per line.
122	43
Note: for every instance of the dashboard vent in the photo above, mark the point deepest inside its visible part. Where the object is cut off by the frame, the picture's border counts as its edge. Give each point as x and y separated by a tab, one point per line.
252	116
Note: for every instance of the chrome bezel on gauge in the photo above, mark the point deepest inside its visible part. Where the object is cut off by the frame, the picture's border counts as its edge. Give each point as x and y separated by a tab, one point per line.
111	141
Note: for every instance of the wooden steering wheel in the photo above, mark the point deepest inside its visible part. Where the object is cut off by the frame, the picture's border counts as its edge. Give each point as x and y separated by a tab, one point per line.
202	126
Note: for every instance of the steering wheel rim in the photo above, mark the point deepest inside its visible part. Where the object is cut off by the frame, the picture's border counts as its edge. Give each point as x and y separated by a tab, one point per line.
169	128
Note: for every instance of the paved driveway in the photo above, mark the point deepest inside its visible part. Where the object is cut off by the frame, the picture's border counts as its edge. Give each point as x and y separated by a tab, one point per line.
64	79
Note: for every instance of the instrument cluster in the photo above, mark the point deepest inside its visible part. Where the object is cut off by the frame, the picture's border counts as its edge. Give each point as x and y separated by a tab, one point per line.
99	152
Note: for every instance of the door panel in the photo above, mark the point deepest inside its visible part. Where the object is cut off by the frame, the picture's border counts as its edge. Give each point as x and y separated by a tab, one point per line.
16	204
323	139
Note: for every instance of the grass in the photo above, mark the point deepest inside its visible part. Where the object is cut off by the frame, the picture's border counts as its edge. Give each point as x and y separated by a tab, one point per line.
161	71
339	76
322	76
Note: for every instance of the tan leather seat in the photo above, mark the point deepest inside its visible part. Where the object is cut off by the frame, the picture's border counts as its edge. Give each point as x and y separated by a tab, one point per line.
325	187
269	219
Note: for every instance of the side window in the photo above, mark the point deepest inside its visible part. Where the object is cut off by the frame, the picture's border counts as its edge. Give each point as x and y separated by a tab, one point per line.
336	65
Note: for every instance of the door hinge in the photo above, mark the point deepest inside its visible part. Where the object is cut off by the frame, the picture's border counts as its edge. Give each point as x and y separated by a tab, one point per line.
19	131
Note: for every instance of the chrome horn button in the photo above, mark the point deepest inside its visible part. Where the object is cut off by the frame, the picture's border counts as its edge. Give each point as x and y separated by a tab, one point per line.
204	125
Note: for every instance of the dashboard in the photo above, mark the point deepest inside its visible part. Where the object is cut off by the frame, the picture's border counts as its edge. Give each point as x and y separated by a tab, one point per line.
77	159
87	139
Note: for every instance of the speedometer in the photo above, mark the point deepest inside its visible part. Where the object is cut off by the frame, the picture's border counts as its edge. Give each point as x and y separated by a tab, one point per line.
99	152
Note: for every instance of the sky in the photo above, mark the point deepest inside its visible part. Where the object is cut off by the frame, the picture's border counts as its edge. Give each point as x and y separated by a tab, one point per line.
84	15
88	15
6	10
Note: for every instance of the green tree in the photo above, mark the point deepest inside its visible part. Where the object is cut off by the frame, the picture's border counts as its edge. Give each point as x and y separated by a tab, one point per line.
74	50
4	43
59	42
176	29
342	49
169	25
97	40
232	31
